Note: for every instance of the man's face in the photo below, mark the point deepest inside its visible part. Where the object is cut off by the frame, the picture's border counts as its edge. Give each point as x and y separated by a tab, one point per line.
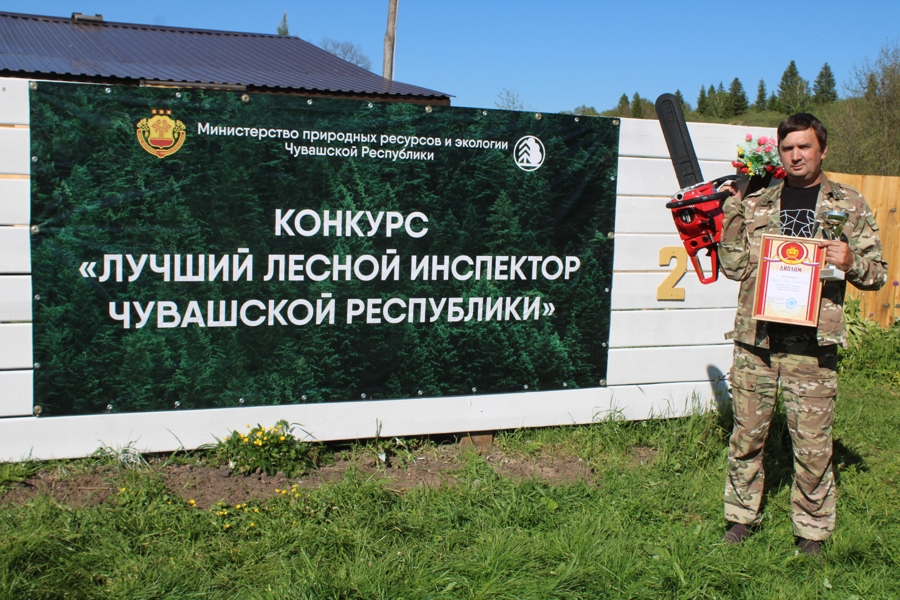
802	157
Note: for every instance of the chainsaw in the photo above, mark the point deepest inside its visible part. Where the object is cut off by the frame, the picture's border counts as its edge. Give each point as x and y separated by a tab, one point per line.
697	207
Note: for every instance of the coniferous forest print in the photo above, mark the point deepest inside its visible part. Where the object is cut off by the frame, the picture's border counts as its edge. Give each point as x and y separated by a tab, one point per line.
149	205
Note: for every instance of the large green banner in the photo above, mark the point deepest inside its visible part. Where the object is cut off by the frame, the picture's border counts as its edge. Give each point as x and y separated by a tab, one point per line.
214	249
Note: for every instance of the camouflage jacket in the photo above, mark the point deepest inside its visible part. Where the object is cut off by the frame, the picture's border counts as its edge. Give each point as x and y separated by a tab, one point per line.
759	213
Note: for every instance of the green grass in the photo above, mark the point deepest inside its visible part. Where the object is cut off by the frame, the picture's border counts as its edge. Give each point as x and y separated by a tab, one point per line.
647	529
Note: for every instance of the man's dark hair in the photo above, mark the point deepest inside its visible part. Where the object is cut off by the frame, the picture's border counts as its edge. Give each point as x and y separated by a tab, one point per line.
802	122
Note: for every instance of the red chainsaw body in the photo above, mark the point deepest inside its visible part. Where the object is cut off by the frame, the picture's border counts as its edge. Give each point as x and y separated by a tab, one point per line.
697	211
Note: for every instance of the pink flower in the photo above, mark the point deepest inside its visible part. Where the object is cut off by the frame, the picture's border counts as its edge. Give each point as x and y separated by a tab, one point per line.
762	141
768	148
749	137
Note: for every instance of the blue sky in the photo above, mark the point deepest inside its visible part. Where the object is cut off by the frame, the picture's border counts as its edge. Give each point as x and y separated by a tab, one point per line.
554	55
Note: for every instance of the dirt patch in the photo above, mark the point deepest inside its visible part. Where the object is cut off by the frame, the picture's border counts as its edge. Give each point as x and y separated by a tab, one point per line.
208	485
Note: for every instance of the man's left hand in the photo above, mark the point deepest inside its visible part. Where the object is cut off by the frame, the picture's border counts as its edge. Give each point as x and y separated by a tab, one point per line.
838	253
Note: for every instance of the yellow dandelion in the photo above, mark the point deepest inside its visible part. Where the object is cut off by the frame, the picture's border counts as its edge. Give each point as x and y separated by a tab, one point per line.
227	525
281	438
237	506
256	510
248	425
252	524
122	490
192	502
259	434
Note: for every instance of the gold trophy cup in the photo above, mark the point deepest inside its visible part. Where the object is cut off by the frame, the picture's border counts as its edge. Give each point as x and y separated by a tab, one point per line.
832	229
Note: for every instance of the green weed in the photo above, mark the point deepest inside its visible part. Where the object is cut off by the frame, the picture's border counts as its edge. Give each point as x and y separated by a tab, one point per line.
269	449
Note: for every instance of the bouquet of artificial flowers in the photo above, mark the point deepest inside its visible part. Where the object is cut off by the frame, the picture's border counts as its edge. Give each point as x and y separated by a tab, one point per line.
756	158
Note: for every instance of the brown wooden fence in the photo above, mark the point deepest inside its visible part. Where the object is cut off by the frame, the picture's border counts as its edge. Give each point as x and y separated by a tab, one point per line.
883	196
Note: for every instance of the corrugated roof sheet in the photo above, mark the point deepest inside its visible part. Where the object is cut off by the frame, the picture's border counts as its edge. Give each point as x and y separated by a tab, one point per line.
33	45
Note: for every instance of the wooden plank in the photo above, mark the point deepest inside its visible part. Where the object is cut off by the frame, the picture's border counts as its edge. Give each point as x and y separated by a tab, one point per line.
656	177
883	196
635	214
15	298
674	327
15	250
639	290
628	366
13	101
15	346
16	390
15	151
712	141
640	252
72	437
15	201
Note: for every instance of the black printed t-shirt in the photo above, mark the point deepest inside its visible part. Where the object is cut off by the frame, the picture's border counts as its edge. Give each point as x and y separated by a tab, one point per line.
798	210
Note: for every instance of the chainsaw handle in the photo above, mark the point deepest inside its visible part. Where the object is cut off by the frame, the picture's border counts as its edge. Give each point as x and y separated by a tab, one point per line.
715	183
714	256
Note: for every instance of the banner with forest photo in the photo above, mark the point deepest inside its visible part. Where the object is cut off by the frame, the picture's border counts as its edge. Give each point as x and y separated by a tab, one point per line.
208	249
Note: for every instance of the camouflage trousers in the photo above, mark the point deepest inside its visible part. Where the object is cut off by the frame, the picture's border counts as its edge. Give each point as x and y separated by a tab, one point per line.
806	373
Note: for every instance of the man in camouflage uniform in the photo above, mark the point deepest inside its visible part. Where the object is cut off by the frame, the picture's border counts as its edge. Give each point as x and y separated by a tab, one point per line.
802	360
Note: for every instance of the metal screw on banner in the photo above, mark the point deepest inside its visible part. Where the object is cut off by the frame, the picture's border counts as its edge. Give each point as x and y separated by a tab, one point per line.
245	98
303	397
565	384
420	392
109	90
538	116
34	159
37	297
484	113
37	410
576	119
32	85
109	408
35	229
474	390
602	383
525	387
178	94
309	102
616	122
241	401
37	365
177	404
428	109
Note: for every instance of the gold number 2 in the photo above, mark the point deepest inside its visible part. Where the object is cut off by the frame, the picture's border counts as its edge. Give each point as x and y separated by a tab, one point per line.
667	289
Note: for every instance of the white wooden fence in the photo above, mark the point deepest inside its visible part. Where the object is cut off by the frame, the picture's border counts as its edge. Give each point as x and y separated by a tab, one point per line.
665	354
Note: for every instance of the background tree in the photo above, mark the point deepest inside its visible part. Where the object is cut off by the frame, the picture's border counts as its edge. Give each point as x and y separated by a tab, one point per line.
824	90
761	102
623	108
793	91
864	129
637	106
737	98
715	101
283	26
772	104
685	107
347	51
509	100
701	101
586	111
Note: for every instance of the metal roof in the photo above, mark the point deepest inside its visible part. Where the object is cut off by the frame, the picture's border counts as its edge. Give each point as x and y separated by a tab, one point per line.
32	45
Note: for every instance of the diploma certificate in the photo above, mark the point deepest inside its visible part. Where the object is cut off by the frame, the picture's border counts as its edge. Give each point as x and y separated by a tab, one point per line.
788	289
